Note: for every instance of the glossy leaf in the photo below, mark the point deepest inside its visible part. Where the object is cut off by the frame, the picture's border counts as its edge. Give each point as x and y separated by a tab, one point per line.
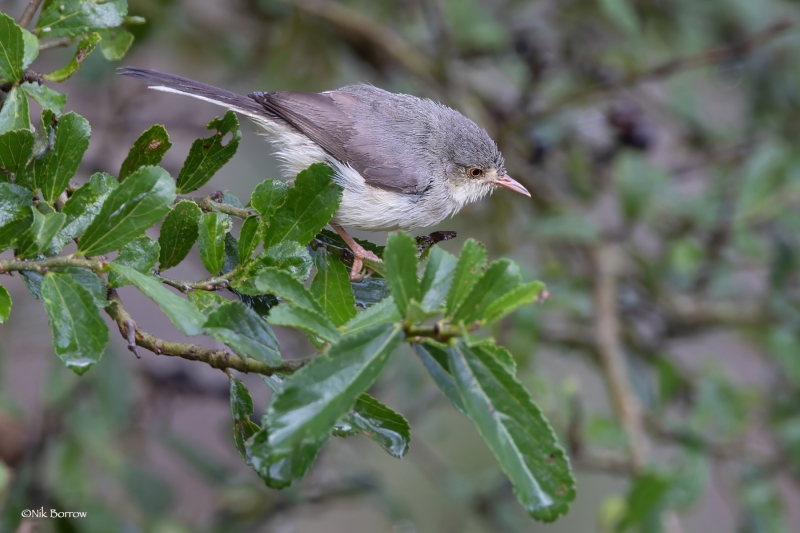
500	278
244	331
206	301
377	422
15	114
467	273
309	206
89	281
115	45
515	429
182	313
331	288
43	229
207	156
79	333
437	278
85	47
211	240
84	205
267	197
179	232
15	213
31	44
241	410
5	304
370	291
140	254
380	313
250	235
70	18
12	49
288	256
311	322
45	96
15	149
521	296
315	397
148	150
434	357
51	171
129	210
400	257
279	473
283	285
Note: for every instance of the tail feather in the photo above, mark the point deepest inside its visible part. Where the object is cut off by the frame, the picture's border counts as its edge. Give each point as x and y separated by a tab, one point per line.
176	84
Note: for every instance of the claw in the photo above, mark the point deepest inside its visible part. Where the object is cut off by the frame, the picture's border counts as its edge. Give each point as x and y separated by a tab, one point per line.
359	254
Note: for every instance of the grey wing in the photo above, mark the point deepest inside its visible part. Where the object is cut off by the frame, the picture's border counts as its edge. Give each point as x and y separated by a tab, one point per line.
336	121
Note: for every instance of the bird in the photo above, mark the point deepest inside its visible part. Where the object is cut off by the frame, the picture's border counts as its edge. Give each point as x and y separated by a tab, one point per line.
403	162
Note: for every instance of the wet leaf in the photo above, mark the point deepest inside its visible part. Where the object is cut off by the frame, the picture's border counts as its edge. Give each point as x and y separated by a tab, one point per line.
15	114
207	156
15	213
71	18
244	331
288	256
140	254
84	205
250	235
211	240
241	410
377	422
43	229
179	232
331	288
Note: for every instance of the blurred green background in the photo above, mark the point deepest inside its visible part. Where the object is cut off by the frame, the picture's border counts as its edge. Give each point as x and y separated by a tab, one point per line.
659	140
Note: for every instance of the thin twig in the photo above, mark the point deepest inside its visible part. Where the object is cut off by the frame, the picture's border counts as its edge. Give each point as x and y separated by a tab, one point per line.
27	15
208	204
17	265
56	43
214	283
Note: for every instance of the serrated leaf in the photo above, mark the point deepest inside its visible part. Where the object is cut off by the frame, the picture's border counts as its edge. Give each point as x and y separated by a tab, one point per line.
523	295
377	422
279	473
43	229
207	156
467	273
304	320
15	213
15	114
5	304
85	47
70	18
84	205
31	44
179	232
400	257
434	357
51	170
182	313
286	287
314	398
115	44
331	287
211	240
380	313
12	49
140	254
206	301
241	410
231	254
88	280
129	210
250	235
309	206
267	197
515	429
437	278
288	256
244	331
500	278
370	291
148	150
45	96
79	333
15	149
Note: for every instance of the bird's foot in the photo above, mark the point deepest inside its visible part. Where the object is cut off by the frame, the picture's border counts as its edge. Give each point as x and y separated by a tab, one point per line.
360	253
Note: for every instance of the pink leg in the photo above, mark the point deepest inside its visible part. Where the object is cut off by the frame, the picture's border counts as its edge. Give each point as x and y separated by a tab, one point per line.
359	252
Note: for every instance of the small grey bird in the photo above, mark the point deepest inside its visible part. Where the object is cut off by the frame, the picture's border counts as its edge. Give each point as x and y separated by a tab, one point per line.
403	162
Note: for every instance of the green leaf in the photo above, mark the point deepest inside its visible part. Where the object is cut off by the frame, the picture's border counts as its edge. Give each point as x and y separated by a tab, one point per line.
206	301
380	313
379	423
70	18
267	197
15	213
5	304
37	238
288	256
79	333
88	280
12	49
250	235
129	210
51	171
148	150
84	205
245	332
400	257
434	357
140	254
283	285
468	271
331	288
521	296
645	497
500	278
208	155
182	313
370	291
211	240
115	44
279	473
45	96
15	149
31	43
179	232
437	278
85	47
515	429
15	114
315	397
241	409
309	206
305	320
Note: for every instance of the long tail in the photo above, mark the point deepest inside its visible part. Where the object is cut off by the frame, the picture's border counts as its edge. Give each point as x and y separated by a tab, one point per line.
161	81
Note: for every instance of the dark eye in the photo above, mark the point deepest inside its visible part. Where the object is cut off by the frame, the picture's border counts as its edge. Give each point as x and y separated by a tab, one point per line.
475	172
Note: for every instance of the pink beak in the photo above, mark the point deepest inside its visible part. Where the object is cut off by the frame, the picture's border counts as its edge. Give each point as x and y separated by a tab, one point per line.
509	183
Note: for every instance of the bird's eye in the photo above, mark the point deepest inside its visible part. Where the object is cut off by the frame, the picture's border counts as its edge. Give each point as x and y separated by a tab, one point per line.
475	172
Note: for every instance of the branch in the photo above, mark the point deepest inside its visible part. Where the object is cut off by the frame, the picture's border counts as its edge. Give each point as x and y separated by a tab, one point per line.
221	359
56	43
213	283
27	15
16	265
209	204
